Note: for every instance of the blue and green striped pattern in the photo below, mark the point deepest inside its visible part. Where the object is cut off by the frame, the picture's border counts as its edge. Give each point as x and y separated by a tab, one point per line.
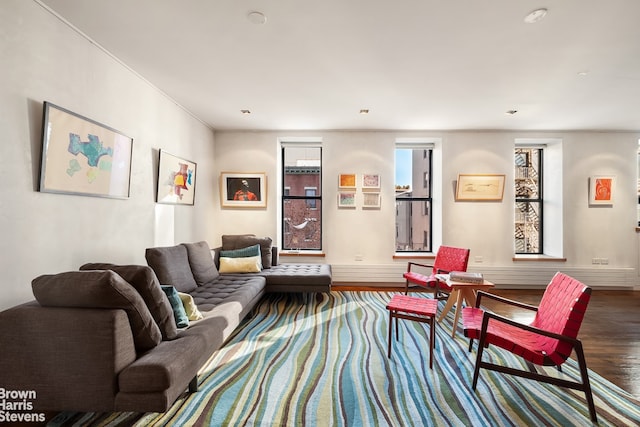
324	363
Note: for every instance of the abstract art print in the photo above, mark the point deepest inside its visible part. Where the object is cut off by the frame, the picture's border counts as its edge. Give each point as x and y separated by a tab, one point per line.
371	201
347	181
243	190
176	180
601	190
370	182
346	199
83	157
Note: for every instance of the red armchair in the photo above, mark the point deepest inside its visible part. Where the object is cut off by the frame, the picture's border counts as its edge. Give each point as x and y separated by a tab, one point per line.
447	259
547	341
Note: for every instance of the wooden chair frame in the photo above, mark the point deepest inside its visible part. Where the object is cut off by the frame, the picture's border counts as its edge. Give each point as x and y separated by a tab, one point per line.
583	386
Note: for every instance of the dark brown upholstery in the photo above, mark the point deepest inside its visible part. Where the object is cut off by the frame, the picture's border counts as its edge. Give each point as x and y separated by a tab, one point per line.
143	279
99	289
171	265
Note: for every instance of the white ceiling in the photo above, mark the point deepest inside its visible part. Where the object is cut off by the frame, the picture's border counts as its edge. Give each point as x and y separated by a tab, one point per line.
415	64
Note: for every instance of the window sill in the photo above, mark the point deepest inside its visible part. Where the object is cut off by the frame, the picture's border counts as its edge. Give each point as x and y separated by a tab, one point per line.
538	258
301	254
414	255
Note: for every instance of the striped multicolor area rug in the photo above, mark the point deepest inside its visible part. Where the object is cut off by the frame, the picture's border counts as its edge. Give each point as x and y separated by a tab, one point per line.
324	363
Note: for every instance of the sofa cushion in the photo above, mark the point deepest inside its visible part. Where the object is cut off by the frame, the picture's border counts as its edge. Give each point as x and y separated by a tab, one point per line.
241	253
144	280
99	289
171	265
179	313
235	241
250	264
201	262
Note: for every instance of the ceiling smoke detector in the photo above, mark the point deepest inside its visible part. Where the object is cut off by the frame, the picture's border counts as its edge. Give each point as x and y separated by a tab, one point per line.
535	16
256	17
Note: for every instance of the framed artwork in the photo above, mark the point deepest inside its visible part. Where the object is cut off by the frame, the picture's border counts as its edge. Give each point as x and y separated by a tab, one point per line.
176	180
346	199
347	180
243	190
601	190
481	187
83	157
370	182
371	201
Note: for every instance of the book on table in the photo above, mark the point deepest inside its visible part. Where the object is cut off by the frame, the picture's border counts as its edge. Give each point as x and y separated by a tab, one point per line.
466	277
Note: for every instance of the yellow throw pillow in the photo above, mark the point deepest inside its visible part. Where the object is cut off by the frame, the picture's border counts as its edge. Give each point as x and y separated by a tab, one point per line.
250	264
190	306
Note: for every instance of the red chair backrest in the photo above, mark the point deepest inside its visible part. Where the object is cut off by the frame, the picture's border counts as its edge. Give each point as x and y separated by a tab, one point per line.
561	311
450	258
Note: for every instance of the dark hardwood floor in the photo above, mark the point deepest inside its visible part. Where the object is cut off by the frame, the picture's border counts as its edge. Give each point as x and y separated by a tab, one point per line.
610	331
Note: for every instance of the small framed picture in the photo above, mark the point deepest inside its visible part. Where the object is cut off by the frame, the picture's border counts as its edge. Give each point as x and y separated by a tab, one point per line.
82	156
601	190
480	187
176	180
346	199
370	182
243	190
347	181
371	201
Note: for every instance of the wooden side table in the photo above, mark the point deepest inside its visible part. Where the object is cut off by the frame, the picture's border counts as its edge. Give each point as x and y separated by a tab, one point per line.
462	291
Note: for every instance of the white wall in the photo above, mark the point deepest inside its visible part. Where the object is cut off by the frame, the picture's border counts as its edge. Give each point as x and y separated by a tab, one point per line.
43	59
486	228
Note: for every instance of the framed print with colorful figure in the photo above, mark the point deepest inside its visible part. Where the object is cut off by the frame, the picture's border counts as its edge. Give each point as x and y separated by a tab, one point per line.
176	180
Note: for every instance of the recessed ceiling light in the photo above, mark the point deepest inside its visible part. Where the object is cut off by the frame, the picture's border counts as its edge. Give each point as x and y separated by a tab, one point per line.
511	112
535	16
245	112
257	18
364	111
582	73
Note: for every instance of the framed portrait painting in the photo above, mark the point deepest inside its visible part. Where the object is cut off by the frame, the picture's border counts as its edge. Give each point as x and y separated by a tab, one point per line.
176	180
83	157
243	190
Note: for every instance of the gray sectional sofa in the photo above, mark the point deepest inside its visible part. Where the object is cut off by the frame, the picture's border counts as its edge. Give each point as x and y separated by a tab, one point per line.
105	339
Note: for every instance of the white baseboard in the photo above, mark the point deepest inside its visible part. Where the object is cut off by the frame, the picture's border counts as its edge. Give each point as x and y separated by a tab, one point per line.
504	277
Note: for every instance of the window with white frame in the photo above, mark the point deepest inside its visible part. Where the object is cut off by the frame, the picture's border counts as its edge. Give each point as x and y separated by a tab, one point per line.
301	197
414	204
528	200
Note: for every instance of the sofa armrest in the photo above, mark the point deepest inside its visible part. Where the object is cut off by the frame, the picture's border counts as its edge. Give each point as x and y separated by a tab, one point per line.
70	357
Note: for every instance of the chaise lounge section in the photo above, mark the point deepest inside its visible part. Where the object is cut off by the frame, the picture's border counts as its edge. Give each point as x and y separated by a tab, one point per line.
105	338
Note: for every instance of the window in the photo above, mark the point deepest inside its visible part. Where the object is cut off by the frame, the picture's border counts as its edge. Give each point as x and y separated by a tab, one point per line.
301	197
528	200
638	184
413	197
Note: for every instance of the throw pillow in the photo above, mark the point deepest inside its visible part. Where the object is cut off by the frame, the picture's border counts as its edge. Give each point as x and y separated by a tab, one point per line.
143	279
241	253
171	265
179	313
232	241
190	306
99	289
201	262
240	265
